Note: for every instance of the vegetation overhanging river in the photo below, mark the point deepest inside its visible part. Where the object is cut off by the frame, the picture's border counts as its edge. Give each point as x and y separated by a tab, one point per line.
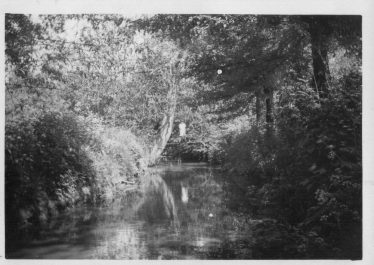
178	212
92	101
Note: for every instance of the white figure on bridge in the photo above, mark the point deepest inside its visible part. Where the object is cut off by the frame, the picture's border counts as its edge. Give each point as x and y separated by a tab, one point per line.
182	129
184	195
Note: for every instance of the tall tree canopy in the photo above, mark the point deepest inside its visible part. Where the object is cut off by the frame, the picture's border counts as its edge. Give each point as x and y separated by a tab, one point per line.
256	55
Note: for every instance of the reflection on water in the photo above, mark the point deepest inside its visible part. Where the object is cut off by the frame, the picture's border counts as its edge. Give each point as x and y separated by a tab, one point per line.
177	213
157	203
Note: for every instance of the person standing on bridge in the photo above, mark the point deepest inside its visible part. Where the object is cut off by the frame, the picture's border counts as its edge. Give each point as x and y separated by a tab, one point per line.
182	134
182	129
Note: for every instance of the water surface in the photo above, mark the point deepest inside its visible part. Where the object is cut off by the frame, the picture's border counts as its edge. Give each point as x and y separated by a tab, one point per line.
177	213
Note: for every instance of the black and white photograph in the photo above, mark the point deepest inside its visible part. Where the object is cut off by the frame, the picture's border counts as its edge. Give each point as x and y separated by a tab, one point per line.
183	136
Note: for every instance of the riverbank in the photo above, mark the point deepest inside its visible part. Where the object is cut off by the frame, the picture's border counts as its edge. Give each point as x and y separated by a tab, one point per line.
59	162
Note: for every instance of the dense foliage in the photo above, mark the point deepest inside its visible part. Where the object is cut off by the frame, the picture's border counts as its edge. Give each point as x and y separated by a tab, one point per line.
276	100
59	152
300	163
309	174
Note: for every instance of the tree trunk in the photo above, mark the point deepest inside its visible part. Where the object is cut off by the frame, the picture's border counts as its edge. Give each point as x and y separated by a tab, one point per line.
258	109
267	94
269	117
269	111
166	127
160	143
319	34
269	106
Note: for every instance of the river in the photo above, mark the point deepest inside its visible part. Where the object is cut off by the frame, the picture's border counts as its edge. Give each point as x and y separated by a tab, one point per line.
178	212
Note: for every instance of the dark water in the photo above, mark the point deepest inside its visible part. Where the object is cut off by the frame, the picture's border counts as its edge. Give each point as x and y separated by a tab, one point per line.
177	213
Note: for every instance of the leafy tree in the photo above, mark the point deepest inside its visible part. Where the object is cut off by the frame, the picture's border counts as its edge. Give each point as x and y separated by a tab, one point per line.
345	30
20	38
126	77
245	57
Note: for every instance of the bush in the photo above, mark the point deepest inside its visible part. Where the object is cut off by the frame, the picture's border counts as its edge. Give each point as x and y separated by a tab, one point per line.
55	162
307	171
118	162
46	169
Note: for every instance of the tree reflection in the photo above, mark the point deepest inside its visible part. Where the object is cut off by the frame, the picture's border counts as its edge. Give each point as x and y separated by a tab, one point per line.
157	203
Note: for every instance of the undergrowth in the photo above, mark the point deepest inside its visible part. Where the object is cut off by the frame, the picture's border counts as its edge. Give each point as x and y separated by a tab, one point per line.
59	161
305	171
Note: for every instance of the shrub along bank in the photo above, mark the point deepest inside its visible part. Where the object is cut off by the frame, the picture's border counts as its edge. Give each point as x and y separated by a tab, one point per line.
305	173
56	162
